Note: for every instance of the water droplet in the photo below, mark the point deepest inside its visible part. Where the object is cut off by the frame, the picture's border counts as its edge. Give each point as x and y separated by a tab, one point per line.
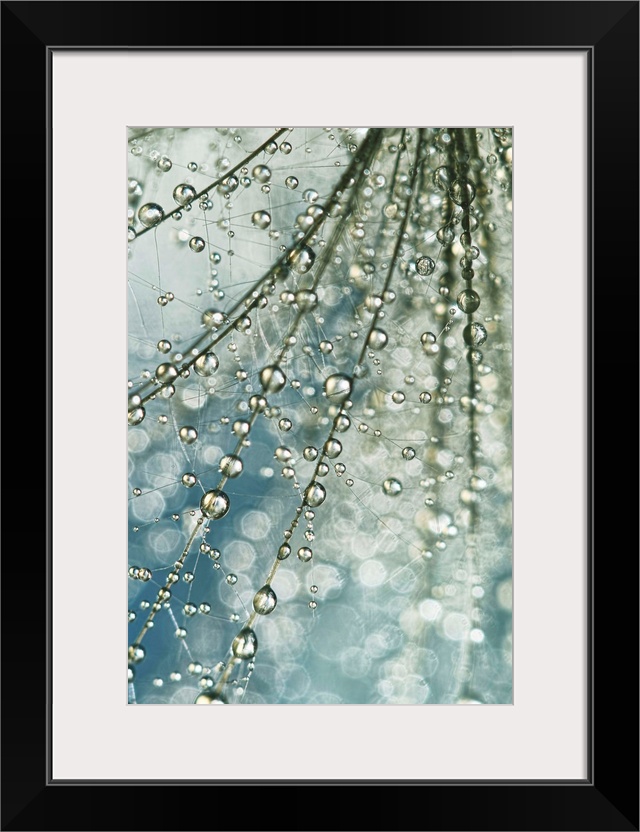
315	494
241	427
232	580
209	698
214	504
213	318
272	379
136	415
425	397
188	434
164	164
261	173
197	244
261	219
408	453
306	300
462	192
150	214
342	422
332	448
166	373
392	487
337	388
429	345
425	266
301	260
468	301
284	551
291	182
206	364
231	466
377	339
474	334
265	600
397	397
442	177
136	653
305	554
245	644
164	346
445	235
189	480
184	194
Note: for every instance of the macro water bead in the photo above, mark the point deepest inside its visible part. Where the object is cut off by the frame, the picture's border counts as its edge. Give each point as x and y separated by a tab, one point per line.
378	339
264	601
197	244
166	373
468	301
136	415
261	219
188	434
214	504
315	494
392	487
425	266
474	334
206	364
261	173
302	259
231	466
209	698
462	192
337	388
150	214
272	379
184	194
245	644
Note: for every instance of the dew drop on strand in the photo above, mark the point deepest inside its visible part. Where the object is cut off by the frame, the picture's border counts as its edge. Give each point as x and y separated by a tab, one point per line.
231	466
265	600
206	364
468	301
392	487
214	504
315	494
474	334
183	194
337	388
150	214
425	266
245	644
272	379
261	219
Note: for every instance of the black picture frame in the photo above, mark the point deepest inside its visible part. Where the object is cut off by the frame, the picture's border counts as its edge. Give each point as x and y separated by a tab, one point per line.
608	798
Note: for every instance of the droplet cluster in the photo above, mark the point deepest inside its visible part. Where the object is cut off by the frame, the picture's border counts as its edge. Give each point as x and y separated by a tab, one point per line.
319	406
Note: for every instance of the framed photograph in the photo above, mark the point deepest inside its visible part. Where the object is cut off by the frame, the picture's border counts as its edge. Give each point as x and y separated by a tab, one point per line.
360	482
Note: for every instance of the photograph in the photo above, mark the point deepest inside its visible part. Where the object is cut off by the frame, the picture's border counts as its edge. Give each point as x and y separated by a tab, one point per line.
319	405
